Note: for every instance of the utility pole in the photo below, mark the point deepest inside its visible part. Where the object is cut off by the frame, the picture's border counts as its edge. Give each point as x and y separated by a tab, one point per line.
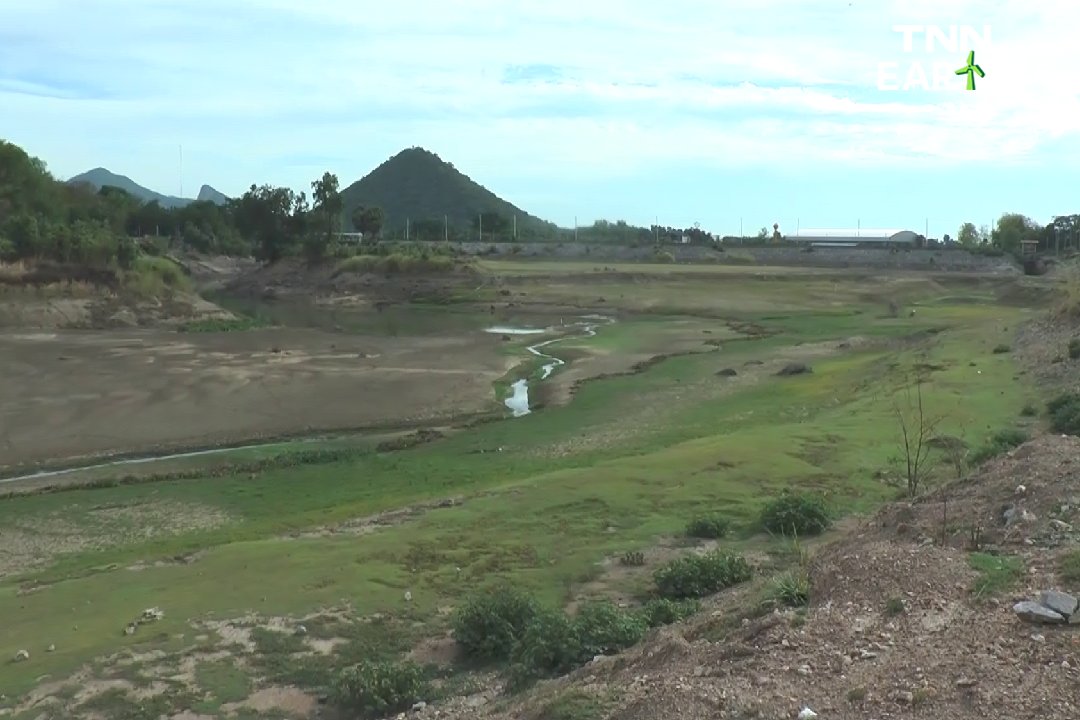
445	229
481	216
406	229
515	227
575	228
181	170
741	236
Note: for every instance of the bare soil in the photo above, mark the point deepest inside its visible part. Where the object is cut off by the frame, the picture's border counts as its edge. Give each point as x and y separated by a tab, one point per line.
69	394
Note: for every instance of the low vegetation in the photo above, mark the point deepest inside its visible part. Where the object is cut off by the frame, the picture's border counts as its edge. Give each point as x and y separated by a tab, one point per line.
1064	412
997	573
696	576
377	689
710	527
999	443
796	514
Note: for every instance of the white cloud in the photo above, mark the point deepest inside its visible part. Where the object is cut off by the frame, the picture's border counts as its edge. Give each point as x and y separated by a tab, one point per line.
736	83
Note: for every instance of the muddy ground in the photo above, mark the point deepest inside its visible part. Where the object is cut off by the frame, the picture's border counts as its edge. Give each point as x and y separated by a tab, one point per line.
73	393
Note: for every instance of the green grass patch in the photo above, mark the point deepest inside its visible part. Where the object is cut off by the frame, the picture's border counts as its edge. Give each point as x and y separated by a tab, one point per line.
223	325
225	682
997	573
1070	567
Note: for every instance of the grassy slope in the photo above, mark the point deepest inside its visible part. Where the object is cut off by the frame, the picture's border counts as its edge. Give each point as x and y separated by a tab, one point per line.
659	447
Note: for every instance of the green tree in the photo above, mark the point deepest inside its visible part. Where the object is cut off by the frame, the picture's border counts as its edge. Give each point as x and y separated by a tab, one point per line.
268	217
1012	229
368	220
328	204
968	235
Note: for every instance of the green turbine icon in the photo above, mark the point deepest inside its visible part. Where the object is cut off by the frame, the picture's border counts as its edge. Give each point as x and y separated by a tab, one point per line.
971	70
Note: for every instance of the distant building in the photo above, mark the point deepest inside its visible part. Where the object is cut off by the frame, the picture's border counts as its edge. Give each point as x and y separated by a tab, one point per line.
353	238
848	237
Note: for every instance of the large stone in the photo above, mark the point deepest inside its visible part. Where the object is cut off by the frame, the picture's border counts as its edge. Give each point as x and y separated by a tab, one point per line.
1035	613
1059	602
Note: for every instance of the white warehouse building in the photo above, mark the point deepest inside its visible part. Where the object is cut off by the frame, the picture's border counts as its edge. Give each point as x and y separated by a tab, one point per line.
854	237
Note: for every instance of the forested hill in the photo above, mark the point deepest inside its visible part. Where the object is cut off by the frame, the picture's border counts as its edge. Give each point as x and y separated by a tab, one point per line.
418	186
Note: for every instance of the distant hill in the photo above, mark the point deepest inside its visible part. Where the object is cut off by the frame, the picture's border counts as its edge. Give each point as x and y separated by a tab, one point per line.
417	185
209	194
100	177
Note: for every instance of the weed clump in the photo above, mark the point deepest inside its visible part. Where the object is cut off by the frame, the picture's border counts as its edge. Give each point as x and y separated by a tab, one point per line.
999	443
1029	411
662	611
696	576
633	558
488	625
1002	349
709	527
1064	412
792	589
895	606
1074	349
603	628
796	514
377	689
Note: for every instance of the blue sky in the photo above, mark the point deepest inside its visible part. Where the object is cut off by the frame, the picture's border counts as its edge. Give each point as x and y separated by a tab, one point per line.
721	112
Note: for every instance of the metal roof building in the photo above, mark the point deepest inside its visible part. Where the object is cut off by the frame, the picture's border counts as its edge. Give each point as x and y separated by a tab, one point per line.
846	237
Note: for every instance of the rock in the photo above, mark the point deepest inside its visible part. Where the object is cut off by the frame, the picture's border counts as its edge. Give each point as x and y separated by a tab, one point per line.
130	629
475	702
727	372
408	596
301	630
419	706
124	318
51	648
22	656
807	714
1059	602
966	682
1035	613
795	369
804	670
152	614
905	697
1020	489
1061	526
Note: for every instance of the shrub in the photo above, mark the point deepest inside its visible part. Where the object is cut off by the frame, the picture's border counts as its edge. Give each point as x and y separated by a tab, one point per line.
792	589
1002	349
1074	349
661	256
377	689
1029	411
796	514
694	576
661	611
603	628
488	625
548	646
1064	412
895	606
633	558
708	526
999	443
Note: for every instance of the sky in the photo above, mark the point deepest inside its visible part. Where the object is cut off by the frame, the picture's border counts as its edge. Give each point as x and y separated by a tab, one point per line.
732	114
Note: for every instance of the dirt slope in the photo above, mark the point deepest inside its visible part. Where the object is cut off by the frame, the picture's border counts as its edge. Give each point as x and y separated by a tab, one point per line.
948	654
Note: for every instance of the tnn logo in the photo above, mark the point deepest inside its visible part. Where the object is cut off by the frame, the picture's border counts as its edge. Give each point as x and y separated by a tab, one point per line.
955	40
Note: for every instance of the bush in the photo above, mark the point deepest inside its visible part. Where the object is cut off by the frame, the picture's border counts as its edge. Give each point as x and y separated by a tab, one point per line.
603	628
1074	349
1029	411
999	443
488	625
396	263
1064	412
1002	349
694	576
661	256
661	611
708	526
548	646
633	558
377	689
796	514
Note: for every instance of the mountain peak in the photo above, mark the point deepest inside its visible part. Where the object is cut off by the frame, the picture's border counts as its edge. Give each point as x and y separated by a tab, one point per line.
417	185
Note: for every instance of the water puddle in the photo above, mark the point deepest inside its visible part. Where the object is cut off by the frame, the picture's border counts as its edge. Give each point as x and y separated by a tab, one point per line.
518	402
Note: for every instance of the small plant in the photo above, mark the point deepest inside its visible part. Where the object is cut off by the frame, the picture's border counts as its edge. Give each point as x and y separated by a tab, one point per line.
1001	349
377	689
710	527
1064	412
856	695
695	576
661	611
488	625
633	558
1070	567
1029	410
796	514
548	646
997	573
895	606
574	705
1074	349
792	589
